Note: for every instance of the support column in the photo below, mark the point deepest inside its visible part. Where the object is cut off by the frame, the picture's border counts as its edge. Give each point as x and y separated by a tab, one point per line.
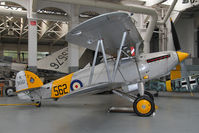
73	50
168	41
32	38
32	45
18	53
1	49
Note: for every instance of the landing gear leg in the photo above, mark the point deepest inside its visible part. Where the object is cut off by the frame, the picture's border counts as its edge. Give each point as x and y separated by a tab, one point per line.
141	88
144	103
147	94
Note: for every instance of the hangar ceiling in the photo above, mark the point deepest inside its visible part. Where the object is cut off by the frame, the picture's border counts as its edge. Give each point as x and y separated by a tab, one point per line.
51	30
14	29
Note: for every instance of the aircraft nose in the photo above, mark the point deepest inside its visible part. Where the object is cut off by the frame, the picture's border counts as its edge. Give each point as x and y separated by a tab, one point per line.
182	55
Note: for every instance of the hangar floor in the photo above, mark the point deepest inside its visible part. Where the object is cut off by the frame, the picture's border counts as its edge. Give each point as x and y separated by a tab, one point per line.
88	114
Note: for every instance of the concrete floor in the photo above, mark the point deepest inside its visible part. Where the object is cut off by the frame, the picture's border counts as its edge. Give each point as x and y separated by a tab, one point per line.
88	114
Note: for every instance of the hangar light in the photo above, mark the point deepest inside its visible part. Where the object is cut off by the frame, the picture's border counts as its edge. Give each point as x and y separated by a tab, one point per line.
13	8
168	2
3	3
45	11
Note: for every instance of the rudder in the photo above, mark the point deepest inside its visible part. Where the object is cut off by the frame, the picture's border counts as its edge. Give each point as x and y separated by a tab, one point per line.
26	80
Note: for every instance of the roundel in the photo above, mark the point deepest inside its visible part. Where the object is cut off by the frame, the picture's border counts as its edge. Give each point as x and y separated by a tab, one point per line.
32	80
76	84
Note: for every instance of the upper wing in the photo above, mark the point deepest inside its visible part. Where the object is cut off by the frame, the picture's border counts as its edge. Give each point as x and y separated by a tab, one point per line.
109	27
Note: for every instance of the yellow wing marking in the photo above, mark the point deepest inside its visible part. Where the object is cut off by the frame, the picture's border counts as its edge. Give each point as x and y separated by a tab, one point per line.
61	87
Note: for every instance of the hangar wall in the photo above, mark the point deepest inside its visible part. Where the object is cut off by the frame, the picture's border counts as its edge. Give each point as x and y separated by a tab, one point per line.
73	19
185	31
37	31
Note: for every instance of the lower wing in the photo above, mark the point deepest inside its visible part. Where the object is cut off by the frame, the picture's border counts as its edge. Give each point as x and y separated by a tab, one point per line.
96	88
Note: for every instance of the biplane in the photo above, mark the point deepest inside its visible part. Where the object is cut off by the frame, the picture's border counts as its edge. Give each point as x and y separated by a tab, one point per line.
111	34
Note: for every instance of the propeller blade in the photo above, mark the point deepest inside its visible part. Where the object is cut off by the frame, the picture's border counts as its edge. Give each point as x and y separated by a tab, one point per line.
175	36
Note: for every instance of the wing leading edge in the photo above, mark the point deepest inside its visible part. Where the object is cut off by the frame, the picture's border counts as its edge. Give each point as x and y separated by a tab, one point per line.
108	27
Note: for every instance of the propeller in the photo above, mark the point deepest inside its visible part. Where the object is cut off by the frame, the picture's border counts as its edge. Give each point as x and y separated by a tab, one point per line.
181	55
175	37
177	48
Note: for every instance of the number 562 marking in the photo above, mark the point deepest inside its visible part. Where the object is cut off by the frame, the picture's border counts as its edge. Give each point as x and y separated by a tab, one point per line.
60	90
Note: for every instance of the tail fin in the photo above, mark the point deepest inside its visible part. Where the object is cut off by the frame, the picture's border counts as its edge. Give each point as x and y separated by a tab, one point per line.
27	80
57	61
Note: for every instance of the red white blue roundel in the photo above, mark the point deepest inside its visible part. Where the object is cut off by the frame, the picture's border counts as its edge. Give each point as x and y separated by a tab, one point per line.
32	80
75	84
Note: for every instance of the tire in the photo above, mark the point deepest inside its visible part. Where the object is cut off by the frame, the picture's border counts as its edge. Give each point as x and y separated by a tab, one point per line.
156	94
144	106
38	104
147	94
9	91
56	99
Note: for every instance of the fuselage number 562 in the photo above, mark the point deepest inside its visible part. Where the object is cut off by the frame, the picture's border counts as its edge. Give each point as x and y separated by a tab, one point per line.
60	90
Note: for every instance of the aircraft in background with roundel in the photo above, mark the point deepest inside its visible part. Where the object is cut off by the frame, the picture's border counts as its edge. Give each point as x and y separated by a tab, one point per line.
111	34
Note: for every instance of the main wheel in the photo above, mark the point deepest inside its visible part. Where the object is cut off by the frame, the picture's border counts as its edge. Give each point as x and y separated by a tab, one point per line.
147	94
144	106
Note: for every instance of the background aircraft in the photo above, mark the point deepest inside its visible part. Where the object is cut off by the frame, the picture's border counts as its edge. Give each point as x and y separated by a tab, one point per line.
181	79
186	84
49	68
113	34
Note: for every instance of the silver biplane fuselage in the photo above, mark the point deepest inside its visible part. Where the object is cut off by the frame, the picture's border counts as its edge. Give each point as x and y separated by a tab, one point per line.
130	71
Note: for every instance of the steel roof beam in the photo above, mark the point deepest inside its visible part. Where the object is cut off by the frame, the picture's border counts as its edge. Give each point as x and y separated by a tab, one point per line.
133	8
19	14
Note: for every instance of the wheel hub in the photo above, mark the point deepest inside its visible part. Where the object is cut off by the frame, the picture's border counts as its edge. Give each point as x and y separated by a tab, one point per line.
144	106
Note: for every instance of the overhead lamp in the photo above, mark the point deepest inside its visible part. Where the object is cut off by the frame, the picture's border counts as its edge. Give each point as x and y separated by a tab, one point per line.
3	3
19	9
168	2
10	32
